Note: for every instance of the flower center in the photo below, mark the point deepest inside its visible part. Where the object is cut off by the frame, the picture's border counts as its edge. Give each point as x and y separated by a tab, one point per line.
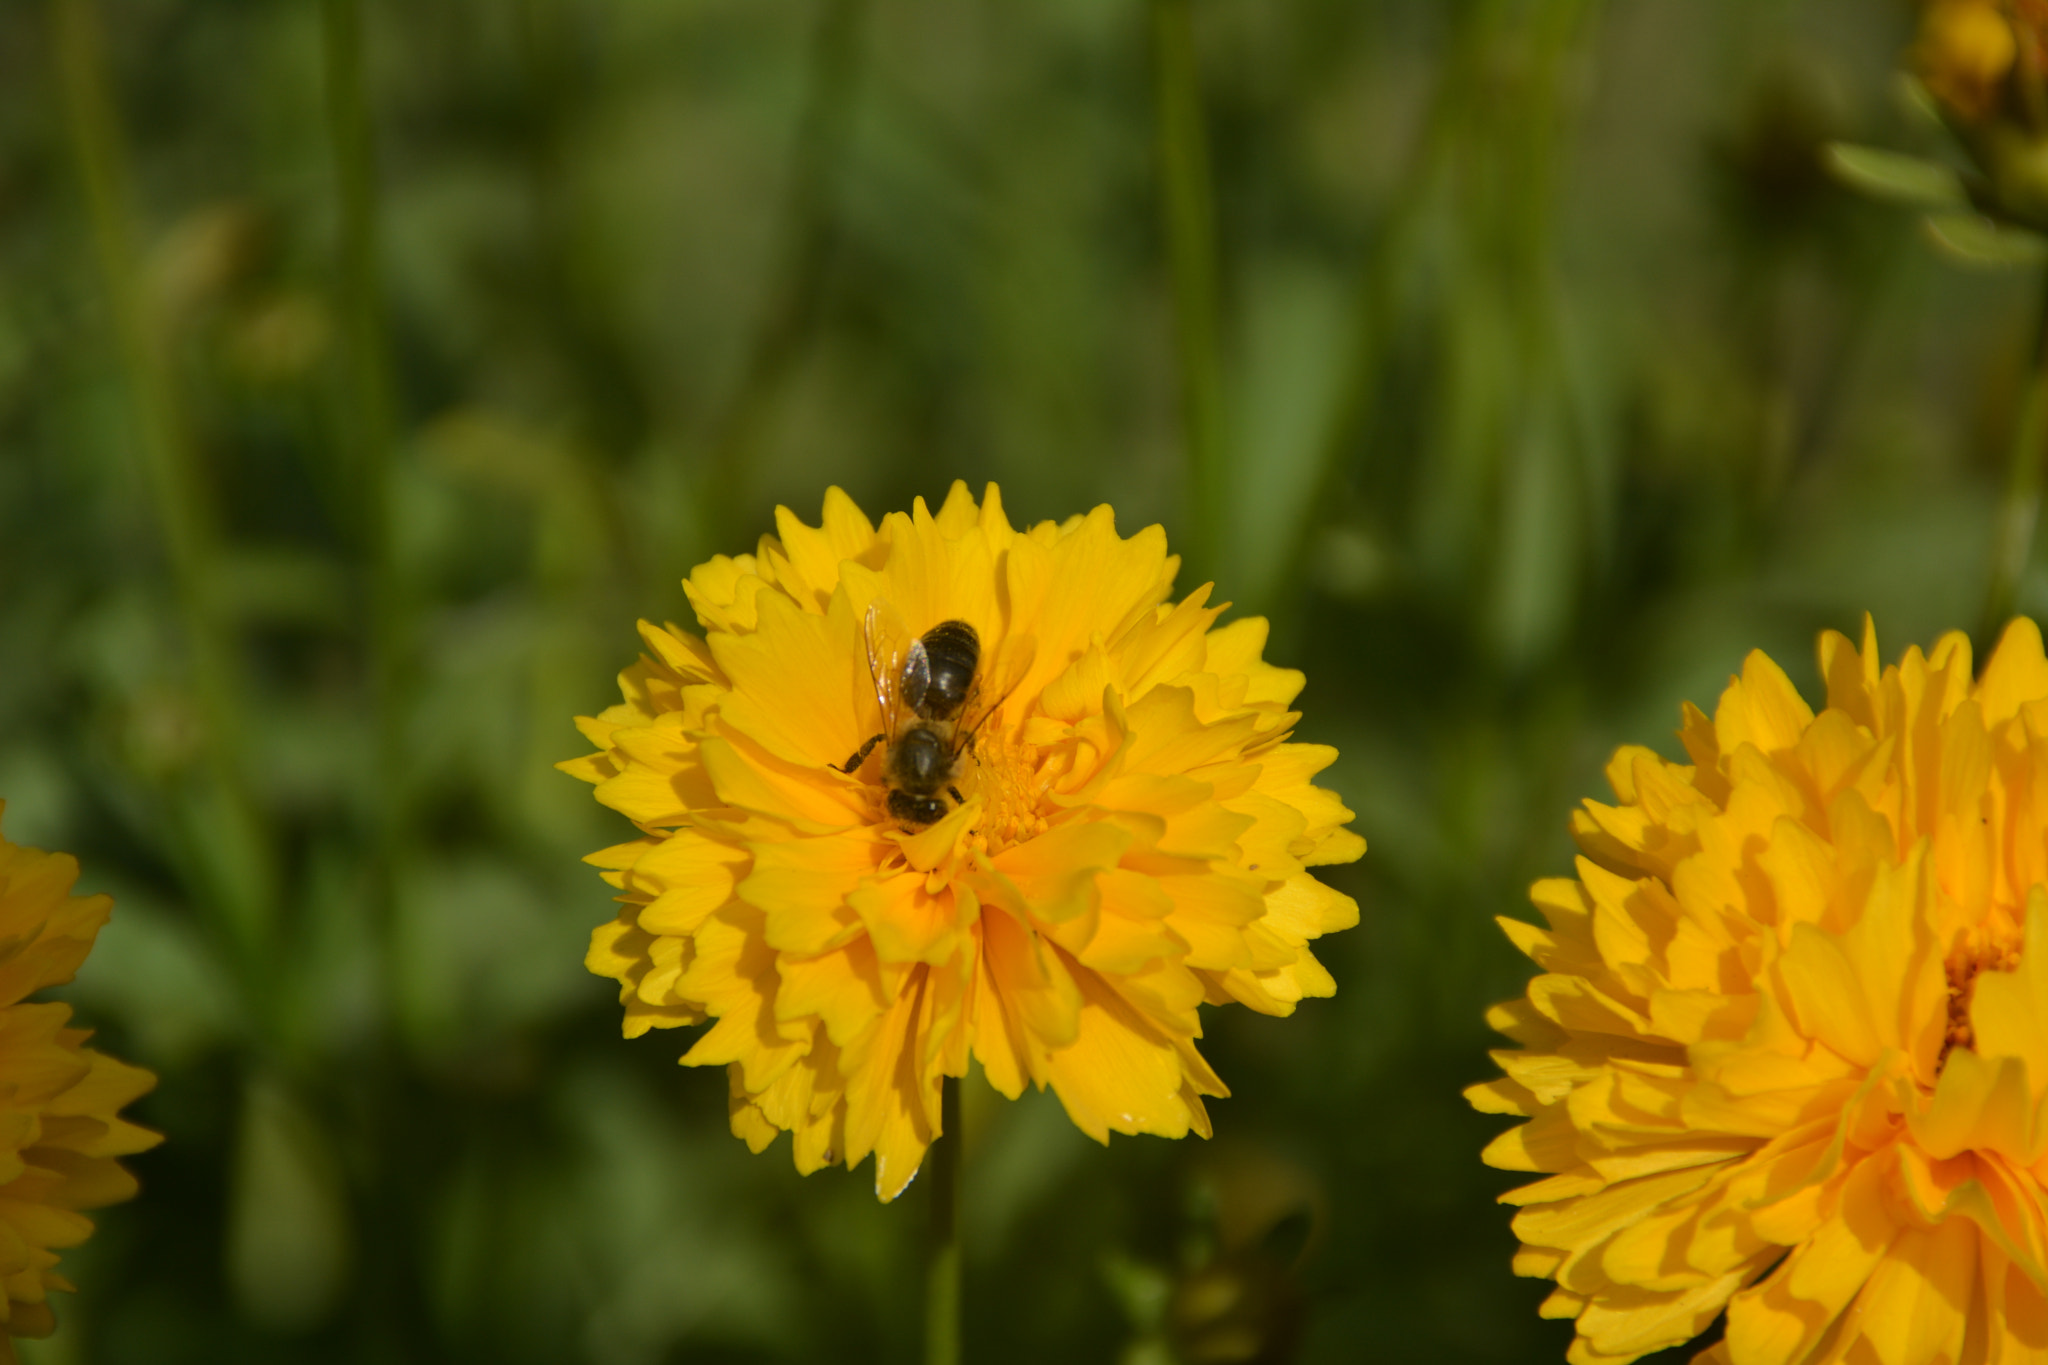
1994	954
1011	786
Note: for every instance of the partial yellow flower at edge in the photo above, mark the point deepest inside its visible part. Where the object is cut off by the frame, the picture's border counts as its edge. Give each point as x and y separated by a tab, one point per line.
1963	53
1789	1056
1133	839
60	1129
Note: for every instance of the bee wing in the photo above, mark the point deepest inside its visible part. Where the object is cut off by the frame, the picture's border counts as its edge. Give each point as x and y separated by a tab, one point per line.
997	679
917	675
891	648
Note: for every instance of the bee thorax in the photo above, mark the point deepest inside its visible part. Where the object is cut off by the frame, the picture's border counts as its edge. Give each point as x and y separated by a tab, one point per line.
920	760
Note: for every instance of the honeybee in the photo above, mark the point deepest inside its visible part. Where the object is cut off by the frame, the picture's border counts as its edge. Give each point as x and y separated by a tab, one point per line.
929	687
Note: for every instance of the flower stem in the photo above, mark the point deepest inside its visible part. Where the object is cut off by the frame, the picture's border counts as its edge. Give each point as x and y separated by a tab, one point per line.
942	1278
2012	535
232	870
1374	301
796	293
1187	202
365	431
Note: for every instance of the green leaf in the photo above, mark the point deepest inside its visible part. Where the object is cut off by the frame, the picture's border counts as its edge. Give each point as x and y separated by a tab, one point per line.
1973	239
1895	177
288	1233
1914	97
1142	1289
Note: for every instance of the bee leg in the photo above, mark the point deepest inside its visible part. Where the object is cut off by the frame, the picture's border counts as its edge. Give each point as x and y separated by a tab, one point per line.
954	792
862	755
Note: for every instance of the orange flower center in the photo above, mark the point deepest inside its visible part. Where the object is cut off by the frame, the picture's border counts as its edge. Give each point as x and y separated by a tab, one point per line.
1011	784
1993	954
2030	20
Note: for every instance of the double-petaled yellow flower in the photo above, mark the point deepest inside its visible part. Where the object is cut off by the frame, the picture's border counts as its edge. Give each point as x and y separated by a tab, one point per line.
60	1127
1789	1057
1131	839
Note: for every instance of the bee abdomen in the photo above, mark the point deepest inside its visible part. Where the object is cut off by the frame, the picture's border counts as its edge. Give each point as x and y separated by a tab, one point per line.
916	810
953	651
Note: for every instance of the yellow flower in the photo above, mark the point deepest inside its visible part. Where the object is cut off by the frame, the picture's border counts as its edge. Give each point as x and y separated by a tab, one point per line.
1131	839
1963	53
59	1127
1985	62
1790	1054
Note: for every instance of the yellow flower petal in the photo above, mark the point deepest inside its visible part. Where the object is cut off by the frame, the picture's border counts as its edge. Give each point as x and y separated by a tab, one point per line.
59	1100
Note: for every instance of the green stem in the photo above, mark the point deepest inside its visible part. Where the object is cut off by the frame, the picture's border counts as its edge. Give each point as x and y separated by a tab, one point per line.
797	288
2012	536
383	1189
942	1278
1372	312
365	427
1188	206
613	413
231	852
571	286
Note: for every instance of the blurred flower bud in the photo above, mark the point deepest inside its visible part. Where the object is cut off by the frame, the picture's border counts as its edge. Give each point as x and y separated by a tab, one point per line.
1768	167
206	254
163	733
1253	1217
1241	1309
279	336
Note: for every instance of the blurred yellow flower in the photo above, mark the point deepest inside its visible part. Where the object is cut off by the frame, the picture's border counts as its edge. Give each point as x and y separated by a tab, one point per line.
1790	1054
59	1100
1128	839
1964	50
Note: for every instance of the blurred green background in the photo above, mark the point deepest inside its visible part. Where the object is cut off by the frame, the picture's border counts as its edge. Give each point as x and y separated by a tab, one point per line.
367	367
